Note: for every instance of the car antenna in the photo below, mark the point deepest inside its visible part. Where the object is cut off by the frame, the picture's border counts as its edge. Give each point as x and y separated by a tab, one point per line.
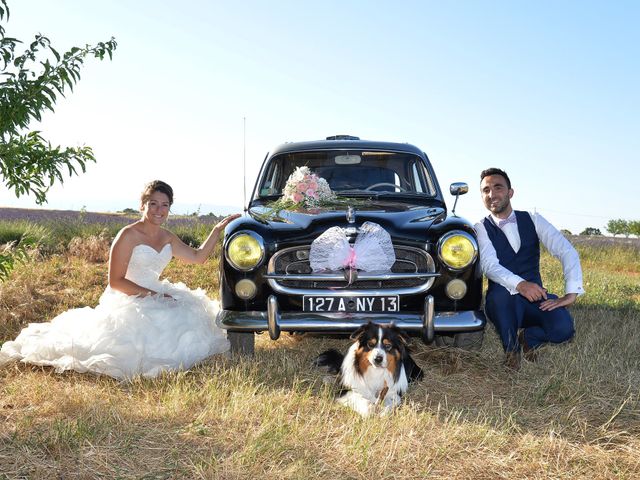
244	163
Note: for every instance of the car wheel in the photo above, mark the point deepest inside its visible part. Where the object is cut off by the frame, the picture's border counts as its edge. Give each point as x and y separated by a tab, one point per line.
242	343
471	341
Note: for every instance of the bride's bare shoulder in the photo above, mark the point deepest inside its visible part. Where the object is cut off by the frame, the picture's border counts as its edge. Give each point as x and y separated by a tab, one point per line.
129	234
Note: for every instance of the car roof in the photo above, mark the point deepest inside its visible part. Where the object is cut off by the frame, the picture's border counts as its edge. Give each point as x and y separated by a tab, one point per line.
351	143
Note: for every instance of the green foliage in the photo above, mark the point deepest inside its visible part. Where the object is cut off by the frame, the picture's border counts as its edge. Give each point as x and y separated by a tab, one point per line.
32	79
23	232
618	227
610	272
634	227
591	231
11	255
16	238
192	235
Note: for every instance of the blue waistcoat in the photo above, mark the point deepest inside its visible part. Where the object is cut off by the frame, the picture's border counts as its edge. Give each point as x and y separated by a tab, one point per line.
525	263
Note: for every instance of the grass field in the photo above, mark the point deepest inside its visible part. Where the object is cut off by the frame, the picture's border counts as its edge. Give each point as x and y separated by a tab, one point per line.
574	414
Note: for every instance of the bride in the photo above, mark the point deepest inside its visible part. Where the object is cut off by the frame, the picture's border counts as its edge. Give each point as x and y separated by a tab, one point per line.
142	325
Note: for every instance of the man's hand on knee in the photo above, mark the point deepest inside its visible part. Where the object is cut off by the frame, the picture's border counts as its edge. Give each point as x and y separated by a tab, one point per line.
531	291
553	303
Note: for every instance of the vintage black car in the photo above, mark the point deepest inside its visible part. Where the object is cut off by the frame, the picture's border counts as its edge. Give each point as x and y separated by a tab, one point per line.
434	288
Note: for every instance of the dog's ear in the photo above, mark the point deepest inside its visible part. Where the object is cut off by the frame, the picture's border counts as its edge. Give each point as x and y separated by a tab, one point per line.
404	338
355	336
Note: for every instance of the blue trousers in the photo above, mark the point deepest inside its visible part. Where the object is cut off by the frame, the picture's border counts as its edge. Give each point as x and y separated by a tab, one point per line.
509	313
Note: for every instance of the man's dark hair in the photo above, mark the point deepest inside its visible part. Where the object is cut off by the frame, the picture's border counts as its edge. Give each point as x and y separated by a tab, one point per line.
495	171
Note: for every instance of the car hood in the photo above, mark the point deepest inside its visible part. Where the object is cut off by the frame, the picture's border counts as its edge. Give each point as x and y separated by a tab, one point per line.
394	216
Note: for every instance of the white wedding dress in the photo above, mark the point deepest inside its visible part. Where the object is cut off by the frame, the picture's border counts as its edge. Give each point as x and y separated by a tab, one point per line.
126	335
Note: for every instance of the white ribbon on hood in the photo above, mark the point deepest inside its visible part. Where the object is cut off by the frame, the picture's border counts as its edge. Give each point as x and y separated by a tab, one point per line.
372	250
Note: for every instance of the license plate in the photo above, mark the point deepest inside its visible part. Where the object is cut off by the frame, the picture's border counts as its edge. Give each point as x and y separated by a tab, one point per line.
313	303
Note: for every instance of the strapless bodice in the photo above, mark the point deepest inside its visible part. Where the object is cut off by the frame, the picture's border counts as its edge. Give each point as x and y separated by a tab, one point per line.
146	265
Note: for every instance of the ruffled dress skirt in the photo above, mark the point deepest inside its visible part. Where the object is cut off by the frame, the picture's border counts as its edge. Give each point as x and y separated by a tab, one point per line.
125	336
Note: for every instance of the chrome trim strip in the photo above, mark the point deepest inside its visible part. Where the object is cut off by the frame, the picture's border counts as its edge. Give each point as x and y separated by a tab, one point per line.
323	277
254	321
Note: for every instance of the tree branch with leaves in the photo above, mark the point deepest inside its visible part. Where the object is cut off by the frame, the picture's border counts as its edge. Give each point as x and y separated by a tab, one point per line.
32	77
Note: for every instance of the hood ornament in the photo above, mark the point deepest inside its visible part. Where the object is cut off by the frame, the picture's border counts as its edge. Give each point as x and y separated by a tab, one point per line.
351	214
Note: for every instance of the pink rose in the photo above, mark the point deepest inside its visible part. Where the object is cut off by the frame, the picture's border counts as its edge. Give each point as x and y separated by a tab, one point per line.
297	197
313	185
312	193
300	187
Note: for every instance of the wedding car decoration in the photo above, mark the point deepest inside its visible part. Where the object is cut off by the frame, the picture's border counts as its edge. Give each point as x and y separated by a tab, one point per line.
306	188
305	191
372	251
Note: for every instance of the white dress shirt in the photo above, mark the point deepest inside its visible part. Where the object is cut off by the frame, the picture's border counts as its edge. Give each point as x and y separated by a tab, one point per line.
549	236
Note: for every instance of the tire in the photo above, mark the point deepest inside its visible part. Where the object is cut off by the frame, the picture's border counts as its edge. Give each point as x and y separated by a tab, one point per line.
471	341
242	343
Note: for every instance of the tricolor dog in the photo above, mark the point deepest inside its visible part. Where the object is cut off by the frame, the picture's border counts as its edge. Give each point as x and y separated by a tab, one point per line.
376	370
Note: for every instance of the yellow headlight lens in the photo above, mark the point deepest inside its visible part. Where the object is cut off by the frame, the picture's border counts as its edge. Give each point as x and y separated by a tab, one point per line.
458	250
245	251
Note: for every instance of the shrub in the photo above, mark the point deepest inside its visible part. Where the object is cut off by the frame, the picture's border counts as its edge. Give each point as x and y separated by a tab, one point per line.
94	248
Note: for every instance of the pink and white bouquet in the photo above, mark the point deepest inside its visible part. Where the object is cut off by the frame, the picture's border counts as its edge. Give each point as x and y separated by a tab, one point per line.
307	188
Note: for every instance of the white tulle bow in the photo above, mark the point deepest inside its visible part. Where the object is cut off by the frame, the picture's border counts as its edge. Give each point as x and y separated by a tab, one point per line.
372	250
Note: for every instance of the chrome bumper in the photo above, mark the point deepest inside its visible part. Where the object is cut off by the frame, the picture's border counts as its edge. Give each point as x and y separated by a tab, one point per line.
274	321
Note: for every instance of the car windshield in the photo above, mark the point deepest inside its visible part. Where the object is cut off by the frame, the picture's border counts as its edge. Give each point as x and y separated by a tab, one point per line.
353	172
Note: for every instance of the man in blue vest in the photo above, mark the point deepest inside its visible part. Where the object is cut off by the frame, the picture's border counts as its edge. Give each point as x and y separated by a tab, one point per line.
524	314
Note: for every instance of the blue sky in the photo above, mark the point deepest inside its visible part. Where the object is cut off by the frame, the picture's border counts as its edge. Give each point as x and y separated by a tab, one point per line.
547	90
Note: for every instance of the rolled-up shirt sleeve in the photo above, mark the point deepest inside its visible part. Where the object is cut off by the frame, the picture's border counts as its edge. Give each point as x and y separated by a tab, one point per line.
562	249
490	265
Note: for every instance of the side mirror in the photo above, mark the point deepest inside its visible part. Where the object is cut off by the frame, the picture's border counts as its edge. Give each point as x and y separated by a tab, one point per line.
458	188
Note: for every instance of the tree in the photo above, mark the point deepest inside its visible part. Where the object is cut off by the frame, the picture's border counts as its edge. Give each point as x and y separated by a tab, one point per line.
30	82
591	231
618	227
634	228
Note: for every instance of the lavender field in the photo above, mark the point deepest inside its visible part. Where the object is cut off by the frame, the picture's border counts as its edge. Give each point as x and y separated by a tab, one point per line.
53	230
108	219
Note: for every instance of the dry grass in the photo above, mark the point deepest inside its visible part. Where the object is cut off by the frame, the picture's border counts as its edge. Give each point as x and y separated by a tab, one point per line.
94	248
575	414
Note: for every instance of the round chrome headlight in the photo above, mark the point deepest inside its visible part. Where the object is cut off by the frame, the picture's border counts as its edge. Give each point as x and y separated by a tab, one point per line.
245	250
457	249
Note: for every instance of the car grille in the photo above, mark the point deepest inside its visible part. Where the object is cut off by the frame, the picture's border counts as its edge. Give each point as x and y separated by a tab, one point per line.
294	262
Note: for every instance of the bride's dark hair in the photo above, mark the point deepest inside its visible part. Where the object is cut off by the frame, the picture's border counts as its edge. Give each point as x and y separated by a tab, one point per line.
156	186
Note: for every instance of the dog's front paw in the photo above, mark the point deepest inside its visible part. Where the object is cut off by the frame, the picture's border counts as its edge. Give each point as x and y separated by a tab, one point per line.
385	410
357	403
